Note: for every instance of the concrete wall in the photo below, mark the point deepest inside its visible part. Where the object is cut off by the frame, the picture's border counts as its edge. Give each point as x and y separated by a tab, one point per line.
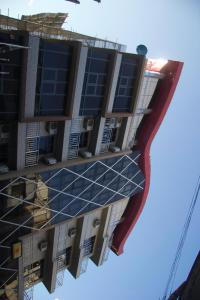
29	77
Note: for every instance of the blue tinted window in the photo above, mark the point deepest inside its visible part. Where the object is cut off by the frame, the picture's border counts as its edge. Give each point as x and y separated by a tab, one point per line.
98	185
53	77
97	67
46	144
126	83
10	78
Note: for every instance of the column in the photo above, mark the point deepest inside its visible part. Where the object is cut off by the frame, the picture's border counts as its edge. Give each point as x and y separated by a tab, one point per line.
78	81
62	140
97	135
29	78
21	145
113	83
122	141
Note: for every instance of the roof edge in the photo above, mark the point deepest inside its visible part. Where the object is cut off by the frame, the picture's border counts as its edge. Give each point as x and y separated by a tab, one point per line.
145	135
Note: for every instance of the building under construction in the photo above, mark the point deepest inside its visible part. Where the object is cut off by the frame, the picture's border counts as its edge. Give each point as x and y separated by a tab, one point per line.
77	118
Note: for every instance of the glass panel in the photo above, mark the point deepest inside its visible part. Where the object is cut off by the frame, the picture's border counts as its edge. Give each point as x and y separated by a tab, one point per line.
53	77
126	83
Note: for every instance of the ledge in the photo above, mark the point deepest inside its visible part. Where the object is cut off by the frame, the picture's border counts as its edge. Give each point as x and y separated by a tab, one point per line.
42	167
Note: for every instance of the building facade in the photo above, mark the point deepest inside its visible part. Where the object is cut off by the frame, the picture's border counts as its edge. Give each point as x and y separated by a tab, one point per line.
77	117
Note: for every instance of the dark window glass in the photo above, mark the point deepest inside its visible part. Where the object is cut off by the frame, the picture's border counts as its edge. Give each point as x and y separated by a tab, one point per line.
4	153
10	87
101	79
51	105
84	139
8	107
100	90
114	135
62	75
46	144
122	91
9	83
48	88
92	78
49	75
126	83
123	81
61	88
97	67
68	255
90	90
53	77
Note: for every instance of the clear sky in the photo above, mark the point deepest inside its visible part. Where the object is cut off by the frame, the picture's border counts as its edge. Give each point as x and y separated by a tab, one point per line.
170	29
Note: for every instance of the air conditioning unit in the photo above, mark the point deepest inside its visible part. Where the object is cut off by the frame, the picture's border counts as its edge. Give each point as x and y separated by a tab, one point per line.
118	123
72	232
43	246
3	168
112	123
88	124
52	128
85	154
50	160
4	131
114	149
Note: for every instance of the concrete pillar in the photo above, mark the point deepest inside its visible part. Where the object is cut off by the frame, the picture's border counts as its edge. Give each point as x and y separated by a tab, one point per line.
76	259
20	279
113	82
29	78
50	264
122	141
62	140
102	238
78	82
97	135
21	145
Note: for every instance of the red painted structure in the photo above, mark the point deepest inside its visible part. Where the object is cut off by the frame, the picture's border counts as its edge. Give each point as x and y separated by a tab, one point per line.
145	134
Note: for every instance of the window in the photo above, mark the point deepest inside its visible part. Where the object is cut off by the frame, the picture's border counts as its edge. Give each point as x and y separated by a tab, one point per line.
46	144
53	77
68	255
126	83
33	273
84	139
63	259
88	246
114	134
4	153
97	67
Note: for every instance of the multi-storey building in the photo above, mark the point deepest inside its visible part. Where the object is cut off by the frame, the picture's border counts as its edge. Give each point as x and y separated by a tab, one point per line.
77	117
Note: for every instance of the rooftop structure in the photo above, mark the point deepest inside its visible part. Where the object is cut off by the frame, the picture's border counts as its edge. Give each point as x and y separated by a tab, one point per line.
77	119
55	20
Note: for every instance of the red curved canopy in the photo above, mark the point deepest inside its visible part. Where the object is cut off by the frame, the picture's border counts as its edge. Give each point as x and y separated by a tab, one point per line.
145	134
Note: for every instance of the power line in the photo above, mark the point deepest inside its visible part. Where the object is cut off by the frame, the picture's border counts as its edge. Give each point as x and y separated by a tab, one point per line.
176	261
